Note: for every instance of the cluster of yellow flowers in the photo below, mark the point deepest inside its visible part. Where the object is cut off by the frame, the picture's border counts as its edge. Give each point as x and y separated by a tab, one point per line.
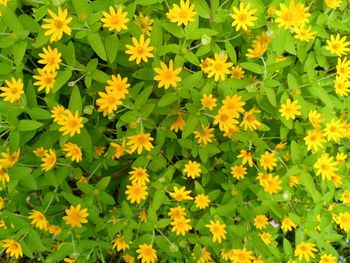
211	142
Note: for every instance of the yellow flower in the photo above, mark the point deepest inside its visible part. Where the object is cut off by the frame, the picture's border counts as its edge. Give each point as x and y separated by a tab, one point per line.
294	15
57	24
293	180
290	110
218	67
13	248
9	159
49	160
140	141
205	136
38	219
4	3
58	113
100	149
287	224
192	169
217	230
202	201
73	151
305	251
118	85
75	216
271	184
345	197
341	157
259	46
2	203
180	225
182	14
334	130
333	4
13	91
54	230
136	192
260	221
341	86
241	256
145	23
225	119
69	260
234	105
40	152
343	220
180	194
268	160
179	124
205	256
326	167
143	216
177	212
139	176
247	157
45	80
140	50
71	124
265	237
120	149
314	140
205	63
120	243
167	76
238	171
337	45
146	253
328	258
243	17
51	58
115	20
128	258
315	119
108	102
249	121
304	33
4	177
343	68
237	72
208	101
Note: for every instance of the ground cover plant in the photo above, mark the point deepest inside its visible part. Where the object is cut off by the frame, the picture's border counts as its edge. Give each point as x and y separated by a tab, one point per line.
174	131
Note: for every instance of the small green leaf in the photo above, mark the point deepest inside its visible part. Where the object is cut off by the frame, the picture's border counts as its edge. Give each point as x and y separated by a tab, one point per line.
167	99
96	43
75	103
28	125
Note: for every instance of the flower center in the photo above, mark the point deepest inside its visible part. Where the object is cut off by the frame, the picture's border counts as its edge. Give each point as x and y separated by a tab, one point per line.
58	24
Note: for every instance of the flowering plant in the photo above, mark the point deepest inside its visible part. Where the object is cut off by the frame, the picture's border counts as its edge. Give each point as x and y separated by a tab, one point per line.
174	131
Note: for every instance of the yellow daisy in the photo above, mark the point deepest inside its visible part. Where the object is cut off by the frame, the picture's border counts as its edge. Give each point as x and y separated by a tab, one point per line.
51	58
140	141
243	17
167	76
13	91
182	14
45	80
141	50
115	20
73	151
75	216
71	124
57	24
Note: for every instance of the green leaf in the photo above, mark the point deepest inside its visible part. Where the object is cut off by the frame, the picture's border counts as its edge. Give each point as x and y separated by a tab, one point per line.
112	46
103	183
271	96
18	51
202	8
167	99
28	125
96	43
253	67
10	19
173	29
62	78
75	103
190	125
157	34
